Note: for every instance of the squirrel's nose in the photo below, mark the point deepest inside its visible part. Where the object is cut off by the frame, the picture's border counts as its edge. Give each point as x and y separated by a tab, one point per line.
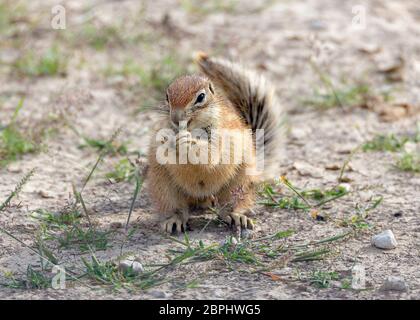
177	116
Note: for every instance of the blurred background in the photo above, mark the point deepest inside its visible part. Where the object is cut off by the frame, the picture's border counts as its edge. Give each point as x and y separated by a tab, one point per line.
319	54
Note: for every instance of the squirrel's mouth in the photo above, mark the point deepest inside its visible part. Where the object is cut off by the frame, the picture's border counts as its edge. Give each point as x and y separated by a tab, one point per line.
182	125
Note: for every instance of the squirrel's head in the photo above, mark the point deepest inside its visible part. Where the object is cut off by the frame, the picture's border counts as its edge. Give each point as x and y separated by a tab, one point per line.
190	100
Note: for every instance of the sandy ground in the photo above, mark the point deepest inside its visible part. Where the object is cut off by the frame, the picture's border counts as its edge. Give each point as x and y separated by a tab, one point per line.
275	37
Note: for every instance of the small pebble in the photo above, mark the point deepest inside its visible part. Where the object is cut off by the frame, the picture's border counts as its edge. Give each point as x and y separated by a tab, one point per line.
115	225
384	240
14	168
332	166
45	194
345	186
131	264
394	283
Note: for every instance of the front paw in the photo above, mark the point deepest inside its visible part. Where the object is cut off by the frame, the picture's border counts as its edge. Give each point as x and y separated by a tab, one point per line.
238	220
175	223
183	139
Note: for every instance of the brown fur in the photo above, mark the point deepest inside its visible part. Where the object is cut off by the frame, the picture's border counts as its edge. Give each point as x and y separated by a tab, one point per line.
182	90
175	188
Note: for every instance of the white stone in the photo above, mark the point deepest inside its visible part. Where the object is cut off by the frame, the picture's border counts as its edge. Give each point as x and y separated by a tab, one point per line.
384	240
131	264
345	186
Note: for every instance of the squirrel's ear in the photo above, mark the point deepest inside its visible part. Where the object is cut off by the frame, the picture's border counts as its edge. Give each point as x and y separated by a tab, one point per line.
211	87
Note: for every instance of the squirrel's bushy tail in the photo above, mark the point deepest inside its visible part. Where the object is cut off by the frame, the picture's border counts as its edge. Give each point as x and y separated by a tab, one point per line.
255	99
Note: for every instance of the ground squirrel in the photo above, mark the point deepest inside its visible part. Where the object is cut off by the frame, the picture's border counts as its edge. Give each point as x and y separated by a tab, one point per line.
225	96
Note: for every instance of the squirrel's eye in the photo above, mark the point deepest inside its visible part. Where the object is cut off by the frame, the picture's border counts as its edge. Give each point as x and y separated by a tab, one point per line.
200	98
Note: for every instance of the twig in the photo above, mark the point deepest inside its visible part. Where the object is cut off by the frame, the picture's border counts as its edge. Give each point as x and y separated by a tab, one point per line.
79	198
136	192
331	199
289	185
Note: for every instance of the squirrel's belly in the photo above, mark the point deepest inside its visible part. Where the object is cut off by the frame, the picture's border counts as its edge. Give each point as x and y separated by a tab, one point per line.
198	181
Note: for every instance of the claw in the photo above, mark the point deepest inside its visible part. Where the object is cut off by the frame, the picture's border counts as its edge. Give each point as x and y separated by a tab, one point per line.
175	224
238	221
228	220
244	220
